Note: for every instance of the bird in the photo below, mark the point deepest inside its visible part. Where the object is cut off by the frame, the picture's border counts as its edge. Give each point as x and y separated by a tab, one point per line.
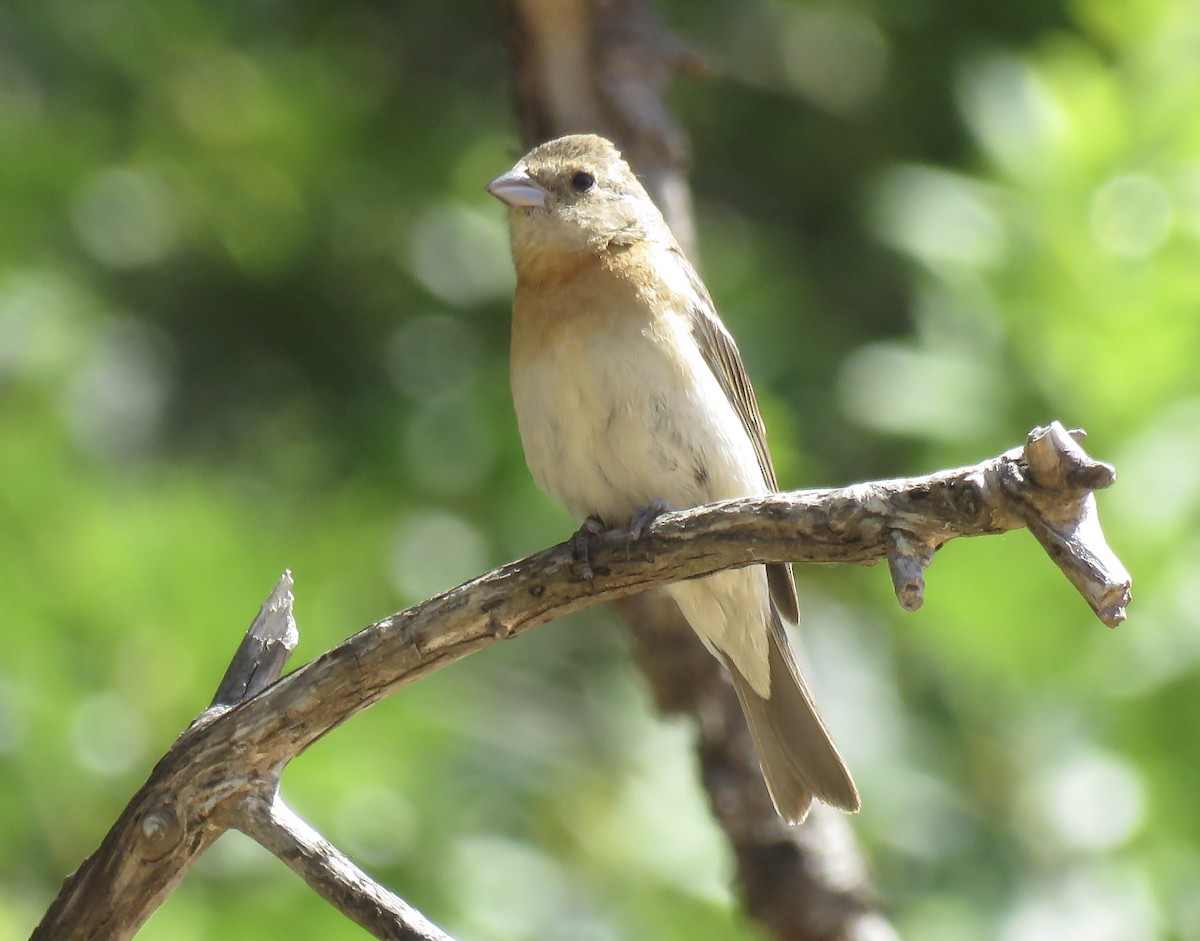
631	397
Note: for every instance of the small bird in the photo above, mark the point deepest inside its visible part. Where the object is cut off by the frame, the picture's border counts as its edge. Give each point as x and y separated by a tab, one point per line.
630	397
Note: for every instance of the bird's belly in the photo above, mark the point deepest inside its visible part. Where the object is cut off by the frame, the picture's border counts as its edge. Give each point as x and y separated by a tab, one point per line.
615	421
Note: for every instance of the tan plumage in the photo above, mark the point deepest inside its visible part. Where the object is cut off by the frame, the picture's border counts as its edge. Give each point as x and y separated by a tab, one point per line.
628	389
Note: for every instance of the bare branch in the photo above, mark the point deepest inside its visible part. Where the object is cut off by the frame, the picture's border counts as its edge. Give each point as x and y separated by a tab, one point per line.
1062	515
331	875
225	768
265	648
907	560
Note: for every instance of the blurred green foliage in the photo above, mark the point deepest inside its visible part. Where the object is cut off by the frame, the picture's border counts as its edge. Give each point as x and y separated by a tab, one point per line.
253	315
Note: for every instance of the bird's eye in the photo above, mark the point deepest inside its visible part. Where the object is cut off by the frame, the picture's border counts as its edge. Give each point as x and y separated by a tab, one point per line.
582	181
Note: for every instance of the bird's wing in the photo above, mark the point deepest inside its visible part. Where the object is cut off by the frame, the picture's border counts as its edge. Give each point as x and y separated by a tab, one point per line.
722	356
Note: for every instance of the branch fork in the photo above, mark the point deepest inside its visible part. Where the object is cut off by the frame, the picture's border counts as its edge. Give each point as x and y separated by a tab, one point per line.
1061	513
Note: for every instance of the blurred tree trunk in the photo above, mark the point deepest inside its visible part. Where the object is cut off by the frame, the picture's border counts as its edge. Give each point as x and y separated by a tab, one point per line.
602	66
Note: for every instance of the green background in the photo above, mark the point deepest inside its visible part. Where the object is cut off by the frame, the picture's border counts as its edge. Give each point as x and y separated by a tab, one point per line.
254	315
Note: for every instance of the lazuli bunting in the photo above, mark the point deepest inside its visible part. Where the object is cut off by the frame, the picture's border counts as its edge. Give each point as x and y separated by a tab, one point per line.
630	394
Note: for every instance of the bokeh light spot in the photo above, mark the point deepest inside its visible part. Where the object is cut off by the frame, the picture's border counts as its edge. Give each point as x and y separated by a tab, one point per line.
115	400
1160	487
125	217
1090	801
1103	904
1131	215
108	734
907	390
434	551
433	358
38	322
507	890
375	825
938	217
222	100
450	447
835	57
461	255
1009	110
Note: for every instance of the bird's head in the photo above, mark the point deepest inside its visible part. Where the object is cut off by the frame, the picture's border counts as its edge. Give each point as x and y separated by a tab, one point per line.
575	195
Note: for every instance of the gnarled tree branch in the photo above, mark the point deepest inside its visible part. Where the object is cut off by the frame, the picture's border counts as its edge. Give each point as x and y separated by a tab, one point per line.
224	770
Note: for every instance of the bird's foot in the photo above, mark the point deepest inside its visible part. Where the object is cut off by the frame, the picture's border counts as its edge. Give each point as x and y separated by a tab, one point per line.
643	516
581	545
593	526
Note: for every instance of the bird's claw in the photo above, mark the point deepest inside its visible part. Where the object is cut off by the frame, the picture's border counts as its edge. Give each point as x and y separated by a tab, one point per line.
593	526
643	516
581	546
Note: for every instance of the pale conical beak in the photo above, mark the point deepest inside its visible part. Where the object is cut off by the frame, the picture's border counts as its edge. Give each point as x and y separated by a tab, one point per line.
517	188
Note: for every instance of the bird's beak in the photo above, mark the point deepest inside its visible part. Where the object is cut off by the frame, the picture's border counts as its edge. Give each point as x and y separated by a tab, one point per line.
517	188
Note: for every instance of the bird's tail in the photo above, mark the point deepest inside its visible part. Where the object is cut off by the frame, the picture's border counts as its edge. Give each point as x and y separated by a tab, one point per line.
798	758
